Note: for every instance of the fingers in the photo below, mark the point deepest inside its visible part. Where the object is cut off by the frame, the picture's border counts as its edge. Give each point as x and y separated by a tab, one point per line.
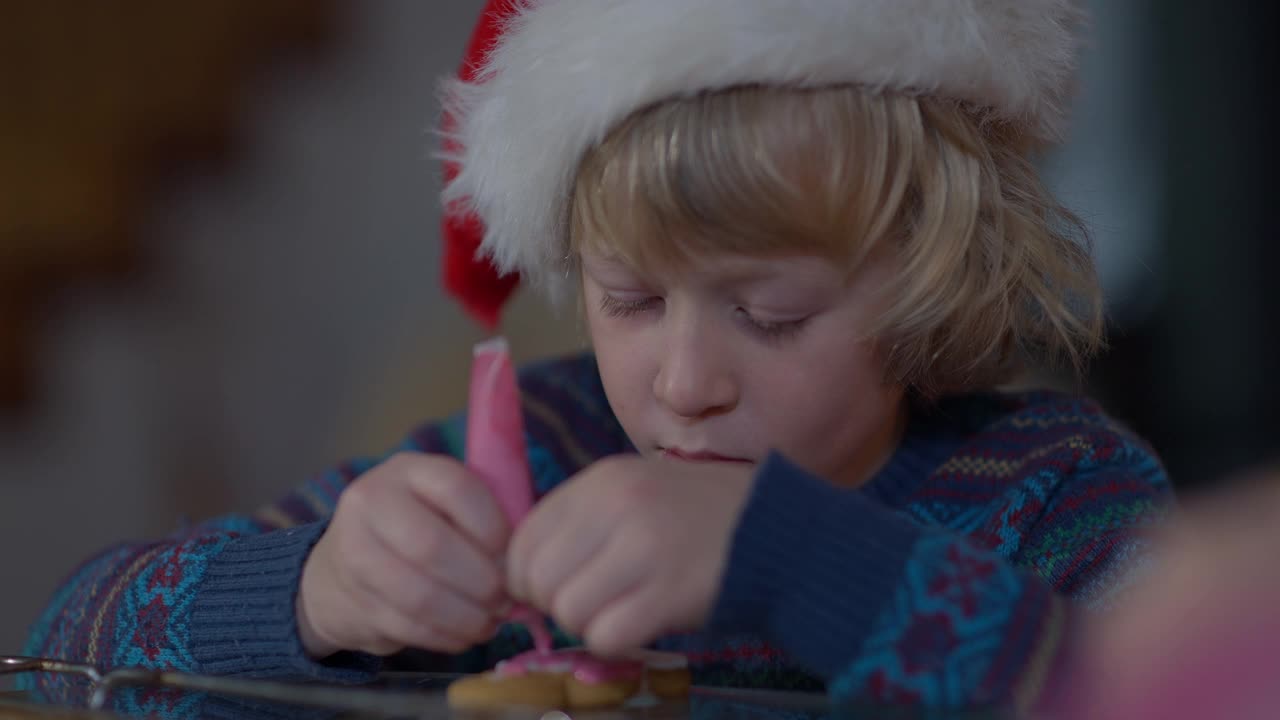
631	621
627	549
461	497
555	550
435	517
389	630
547	521
596	583
410	558
428	546
565	528
580	567
394	604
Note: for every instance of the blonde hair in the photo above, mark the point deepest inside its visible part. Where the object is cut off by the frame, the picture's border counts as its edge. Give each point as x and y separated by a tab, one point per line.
990	269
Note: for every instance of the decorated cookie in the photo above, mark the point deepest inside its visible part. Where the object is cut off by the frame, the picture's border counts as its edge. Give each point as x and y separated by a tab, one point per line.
666	674
573	678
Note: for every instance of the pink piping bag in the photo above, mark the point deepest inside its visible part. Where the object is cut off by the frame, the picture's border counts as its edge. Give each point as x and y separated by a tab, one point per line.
496	451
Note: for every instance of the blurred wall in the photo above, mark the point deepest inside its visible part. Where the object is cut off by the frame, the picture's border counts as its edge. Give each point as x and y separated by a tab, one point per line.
1195	371
289	315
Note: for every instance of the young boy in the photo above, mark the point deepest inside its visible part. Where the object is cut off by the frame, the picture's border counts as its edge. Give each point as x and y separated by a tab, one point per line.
809	242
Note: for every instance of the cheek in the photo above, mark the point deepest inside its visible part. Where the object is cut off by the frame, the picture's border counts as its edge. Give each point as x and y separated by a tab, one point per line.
834	406
623	363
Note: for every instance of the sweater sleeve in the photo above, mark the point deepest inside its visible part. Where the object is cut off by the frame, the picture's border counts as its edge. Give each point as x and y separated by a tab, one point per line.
217	597
888	609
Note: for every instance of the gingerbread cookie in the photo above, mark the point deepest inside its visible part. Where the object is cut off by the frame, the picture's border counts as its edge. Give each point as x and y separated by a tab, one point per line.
574	679
666	675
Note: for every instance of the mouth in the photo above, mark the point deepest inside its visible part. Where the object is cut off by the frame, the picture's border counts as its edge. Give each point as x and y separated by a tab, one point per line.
702	456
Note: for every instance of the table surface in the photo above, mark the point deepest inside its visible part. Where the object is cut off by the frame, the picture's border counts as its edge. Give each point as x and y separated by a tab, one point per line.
419	695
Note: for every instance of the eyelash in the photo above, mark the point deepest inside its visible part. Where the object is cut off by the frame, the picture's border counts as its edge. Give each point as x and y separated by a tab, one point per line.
615	308
768	331
774	331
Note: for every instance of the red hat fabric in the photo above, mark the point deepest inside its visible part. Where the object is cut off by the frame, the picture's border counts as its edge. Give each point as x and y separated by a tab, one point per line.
471	278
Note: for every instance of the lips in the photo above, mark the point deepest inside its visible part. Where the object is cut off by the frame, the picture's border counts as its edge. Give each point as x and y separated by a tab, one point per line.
704	456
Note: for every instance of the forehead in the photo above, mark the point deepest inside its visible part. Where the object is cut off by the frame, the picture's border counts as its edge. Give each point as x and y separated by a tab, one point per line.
723	267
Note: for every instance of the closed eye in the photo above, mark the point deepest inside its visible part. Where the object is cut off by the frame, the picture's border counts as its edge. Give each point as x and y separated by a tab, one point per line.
619	308
772	331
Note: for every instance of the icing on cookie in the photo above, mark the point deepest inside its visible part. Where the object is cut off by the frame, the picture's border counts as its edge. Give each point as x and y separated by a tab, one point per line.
585	667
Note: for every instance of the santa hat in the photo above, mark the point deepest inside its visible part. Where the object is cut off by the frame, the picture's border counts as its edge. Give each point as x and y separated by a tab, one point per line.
544	80
469	275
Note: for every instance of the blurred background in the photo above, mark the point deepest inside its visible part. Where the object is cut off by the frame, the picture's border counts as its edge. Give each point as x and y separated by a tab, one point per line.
219	252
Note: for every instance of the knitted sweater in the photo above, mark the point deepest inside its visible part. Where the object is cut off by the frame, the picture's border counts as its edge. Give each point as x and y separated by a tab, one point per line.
951	578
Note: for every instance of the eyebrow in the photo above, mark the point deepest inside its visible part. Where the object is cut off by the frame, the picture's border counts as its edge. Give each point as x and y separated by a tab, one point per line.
610	260
748	271
766	270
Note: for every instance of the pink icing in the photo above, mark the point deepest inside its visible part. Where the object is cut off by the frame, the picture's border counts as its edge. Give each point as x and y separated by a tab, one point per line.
584	666
537	626
496	450
495	430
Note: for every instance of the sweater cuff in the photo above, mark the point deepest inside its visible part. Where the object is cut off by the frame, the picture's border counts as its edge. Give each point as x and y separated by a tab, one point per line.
243	620
811	566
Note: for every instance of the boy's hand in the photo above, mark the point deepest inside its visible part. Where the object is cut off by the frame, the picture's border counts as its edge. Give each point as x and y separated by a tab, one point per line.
630	548
410	559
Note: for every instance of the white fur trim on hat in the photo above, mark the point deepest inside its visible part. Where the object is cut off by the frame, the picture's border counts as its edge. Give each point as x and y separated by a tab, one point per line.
567	71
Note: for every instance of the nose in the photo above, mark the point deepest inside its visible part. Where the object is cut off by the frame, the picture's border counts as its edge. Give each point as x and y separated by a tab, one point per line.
695	378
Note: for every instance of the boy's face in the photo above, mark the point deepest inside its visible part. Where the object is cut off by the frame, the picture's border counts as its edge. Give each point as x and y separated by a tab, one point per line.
730	357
